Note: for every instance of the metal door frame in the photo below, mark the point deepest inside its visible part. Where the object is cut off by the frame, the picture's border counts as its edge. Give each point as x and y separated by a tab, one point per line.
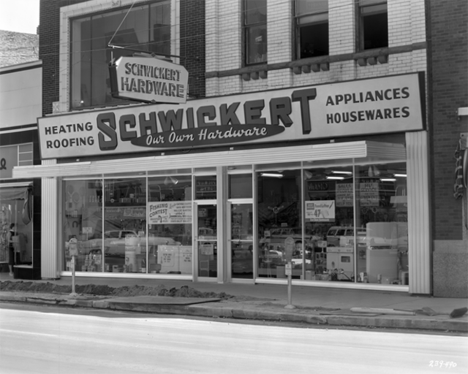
229	276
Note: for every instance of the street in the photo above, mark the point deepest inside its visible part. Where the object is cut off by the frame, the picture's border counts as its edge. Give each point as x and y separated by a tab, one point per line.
51	340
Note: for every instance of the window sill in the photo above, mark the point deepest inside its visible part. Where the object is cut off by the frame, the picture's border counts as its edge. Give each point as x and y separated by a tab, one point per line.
318	64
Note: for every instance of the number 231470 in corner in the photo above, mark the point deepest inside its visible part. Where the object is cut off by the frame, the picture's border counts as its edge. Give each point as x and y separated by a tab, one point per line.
442	364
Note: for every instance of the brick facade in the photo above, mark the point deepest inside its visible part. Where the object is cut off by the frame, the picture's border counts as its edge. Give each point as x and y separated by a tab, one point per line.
192	44
55	55
448	91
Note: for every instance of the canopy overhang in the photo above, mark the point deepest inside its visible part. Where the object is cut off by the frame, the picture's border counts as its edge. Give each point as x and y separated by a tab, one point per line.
358	151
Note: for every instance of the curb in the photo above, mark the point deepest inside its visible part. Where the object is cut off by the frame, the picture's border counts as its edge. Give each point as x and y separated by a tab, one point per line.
217	310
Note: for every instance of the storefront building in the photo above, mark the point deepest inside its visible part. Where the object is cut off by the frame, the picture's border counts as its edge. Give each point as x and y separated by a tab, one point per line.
316	160
20	106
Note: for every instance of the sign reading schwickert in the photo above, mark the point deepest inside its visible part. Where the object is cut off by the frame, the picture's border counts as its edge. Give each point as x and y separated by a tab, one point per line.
149	79
355	108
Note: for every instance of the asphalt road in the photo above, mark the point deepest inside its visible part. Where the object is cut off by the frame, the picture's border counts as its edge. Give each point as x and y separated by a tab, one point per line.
49	340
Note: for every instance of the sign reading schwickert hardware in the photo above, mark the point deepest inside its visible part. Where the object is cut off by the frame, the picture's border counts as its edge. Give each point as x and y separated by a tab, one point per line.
149	80
370	106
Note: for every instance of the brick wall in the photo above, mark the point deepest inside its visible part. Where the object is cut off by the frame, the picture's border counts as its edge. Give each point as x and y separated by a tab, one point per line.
448	67
48	52
192	44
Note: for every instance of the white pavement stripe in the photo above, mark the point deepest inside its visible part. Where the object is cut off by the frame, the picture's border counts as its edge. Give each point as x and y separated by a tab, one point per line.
28	333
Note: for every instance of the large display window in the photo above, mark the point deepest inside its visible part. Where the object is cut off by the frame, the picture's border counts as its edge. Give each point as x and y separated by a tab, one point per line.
334	222
279	217
350	225
169	213
16	217
129	224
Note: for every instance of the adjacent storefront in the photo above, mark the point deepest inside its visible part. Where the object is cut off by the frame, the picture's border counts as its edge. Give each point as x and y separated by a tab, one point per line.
16	211
230	189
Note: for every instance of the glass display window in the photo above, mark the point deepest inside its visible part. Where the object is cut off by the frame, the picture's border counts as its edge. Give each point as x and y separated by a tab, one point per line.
205	187
279	218
382	213
328	203
128	224
16	217
82	224
348	223
169	212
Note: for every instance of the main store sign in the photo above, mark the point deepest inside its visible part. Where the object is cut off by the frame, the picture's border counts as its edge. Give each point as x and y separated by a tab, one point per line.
148	79
371	106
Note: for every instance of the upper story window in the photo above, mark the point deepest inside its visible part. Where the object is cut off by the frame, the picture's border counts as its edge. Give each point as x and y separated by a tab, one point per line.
373	24
311	19
255	31
146	28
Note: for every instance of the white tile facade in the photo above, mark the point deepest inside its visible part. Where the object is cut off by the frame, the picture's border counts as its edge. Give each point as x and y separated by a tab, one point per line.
406	20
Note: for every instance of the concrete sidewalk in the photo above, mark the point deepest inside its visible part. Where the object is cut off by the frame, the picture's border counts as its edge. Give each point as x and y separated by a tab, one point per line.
313	305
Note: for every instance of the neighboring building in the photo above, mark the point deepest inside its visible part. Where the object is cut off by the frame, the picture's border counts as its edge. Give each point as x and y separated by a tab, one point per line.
448	120
18	48
20	204
304	141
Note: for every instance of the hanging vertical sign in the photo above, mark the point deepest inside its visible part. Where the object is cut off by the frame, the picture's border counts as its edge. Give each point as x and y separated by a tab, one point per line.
149	80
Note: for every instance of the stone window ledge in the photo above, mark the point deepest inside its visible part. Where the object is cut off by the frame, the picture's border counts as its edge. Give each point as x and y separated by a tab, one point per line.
317	64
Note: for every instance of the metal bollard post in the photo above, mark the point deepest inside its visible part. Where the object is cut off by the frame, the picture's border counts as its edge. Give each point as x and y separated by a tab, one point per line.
288	271
73	293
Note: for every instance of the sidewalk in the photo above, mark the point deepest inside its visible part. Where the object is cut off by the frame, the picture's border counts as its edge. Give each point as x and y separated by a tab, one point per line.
321	306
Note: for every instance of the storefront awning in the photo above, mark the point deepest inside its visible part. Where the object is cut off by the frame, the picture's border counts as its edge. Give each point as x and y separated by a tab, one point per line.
359	151
19	192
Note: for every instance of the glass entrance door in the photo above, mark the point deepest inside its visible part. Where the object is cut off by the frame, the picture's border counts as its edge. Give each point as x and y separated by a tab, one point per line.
240	240
206	240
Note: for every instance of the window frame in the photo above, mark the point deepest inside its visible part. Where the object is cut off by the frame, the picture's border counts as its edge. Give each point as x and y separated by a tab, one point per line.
245	35
77	103
319	17
367	5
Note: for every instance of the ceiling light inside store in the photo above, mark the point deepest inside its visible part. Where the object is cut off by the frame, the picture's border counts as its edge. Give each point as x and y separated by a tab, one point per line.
170	180
342	172
272	175
388	179
335	177
400	175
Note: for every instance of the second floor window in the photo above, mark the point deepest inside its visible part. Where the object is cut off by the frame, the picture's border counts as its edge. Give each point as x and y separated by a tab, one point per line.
311	19
146	28
373	24
255	31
